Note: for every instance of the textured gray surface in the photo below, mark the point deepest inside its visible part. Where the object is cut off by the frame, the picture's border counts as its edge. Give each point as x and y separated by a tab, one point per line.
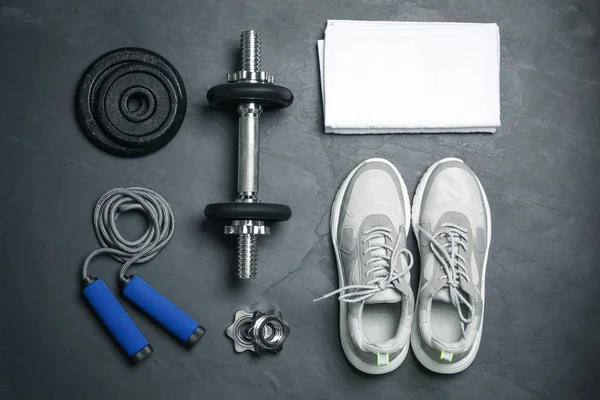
540	172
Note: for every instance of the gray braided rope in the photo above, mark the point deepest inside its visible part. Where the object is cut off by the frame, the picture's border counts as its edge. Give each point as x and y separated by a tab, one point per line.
161	225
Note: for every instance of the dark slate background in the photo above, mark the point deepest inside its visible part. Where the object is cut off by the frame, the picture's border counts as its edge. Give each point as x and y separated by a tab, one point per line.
540	171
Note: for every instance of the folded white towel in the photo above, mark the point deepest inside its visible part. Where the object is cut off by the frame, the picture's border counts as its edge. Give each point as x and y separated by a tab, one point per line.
394	77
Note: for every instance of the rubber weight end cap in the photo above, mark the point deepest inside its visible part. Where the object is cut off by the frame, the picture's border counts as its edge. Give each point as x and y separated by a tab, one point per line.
229	95
247	211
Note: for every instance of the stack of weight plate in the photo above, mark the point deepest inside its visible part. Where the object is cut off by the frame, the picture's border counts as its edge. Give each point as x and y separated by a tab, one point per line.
130	102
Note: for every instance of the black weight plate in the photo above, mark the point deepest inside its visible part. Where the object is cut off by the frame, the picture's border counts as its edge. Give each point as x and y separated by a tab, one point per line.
154	117
269	96
242	211
105	89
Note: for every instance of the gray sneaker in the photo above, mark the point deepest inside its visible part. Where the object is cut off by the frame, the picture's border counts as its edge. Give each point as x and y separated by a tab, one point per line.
370	220
451	219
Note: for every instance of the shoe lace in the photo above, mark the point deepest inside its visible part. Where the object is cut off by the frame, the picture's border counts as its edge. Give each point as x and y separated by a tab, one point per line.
383	267
446	244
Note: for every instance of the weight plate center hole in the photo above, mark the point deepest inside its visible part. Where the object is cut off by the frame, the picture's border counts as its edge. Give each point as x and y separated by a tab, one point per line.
137	104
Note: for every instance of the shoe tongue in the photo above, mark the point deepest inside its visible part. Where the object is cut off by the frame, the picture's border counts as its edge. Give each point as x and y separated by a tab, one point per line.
389	295
443	295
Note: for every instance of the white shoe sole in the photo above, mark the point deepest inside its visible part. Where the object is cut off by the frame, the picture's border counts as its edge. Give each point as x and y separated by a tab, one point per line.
356	361
415	339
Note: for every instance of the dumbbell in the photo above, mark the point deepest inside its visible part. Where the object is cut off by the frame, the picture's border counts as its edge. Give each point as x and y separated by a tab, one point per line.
249	91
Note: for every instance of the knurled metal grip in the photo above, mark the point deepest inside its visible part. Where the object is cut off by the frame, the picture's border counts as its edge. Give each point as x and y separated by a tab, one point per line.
249	91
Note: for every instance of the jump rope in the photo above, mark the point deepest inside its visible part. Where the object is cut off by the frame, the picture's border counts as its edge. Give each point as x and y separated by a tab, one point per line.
158	233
